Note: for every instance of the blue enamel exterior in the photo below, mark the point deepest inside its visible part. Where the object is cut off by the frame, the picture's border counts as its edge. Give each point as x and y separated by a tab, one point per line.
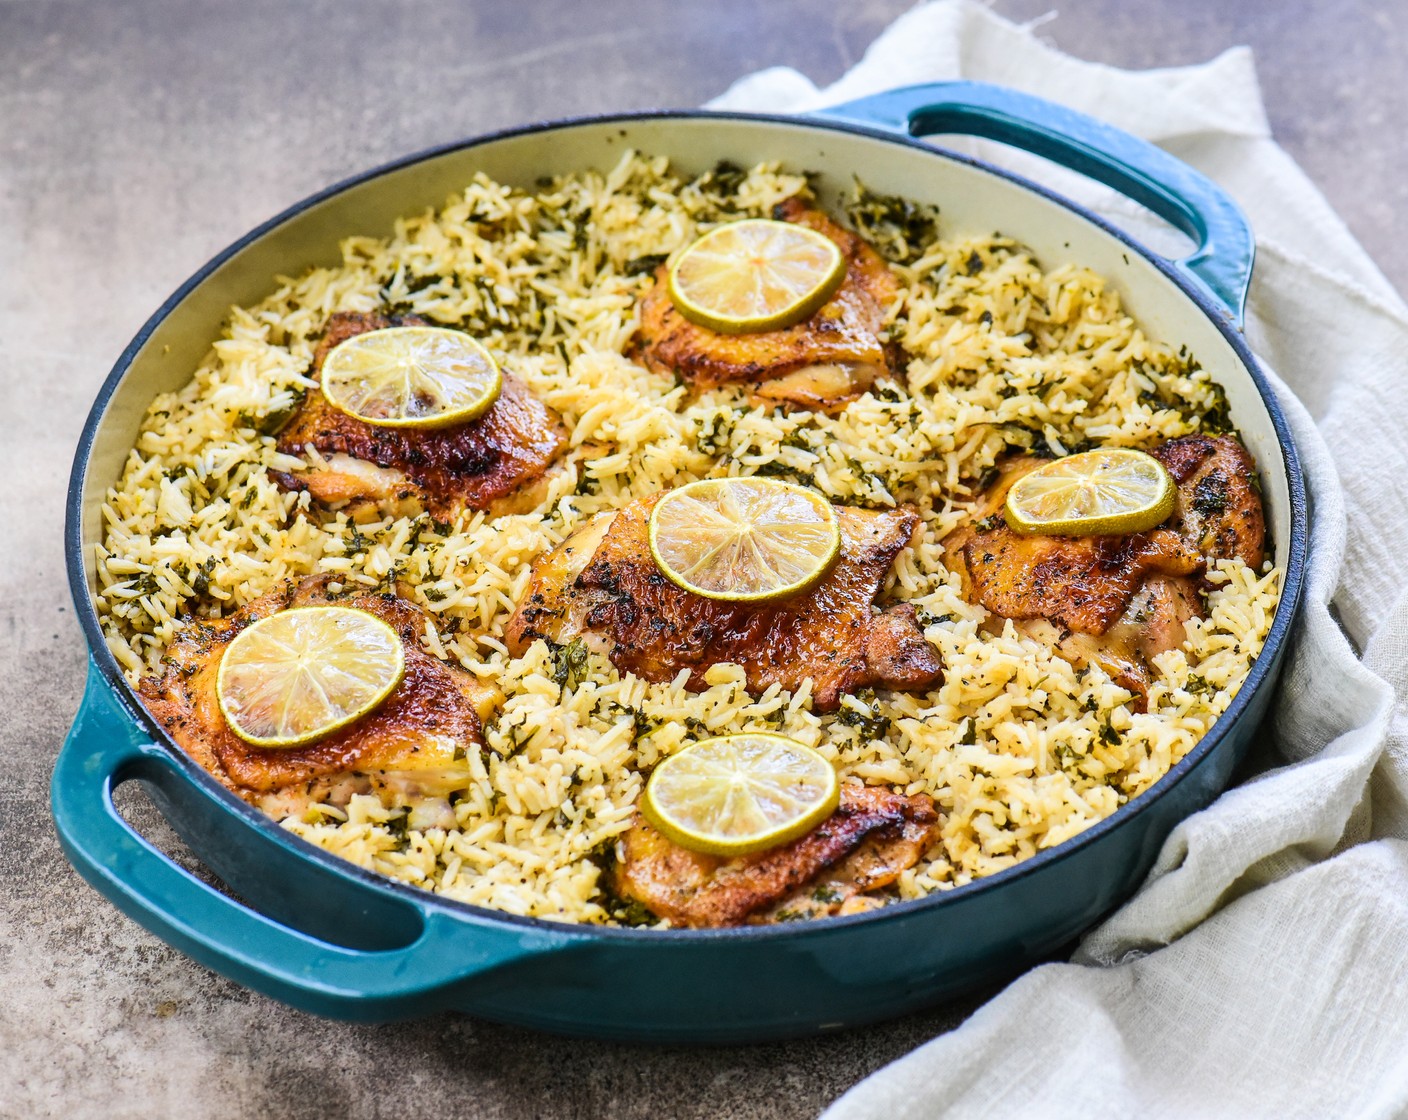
325	936
1186	199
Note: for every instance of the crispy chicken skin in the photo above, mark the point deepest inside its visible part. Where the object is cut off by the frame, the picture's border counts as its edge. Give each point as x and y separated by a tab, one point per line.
820	363
491	463
415	741
1082	583
1219	509
602	581
1115	601
897	652
874	835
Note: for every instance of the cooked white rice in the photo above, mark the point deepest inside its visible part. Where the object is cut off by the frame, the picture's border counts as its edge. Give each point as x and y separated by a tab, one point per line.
1019	750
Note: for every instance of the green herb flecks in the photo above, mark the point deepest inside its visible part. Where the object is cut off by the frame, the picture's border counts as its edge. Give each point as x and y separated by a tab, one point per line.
645	265
898	228
569	664
789	474
870	723
1210	495
271	423
1217	420
633	913
714	432
725	177
200	584
399	827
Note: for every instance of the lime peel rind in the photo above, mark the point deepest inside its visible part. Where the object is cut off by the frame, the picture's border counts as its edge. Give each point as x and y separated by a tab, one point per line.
747	262
411	377
744	540
736	795
1107	492
271	668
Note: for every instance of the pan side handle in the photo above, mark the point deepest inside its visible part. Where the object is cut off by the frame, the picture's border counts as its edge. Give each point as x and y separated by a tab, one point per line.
1220	267
433	959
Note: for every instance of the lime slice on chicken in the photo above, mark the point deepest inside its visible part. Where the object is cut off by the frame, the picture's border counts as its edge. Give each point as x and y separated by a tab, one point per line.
294	677
411	377
738	794
755	275
1095	493
744	540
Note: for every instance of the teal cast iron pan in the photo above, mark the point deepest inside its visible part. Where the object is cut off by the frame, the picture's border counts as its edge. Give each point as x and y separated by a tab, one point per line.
325	936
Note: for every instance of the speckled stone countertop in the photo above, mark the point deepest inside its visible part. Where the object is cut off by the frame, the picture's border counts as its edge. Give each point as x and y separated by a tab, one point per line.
138	137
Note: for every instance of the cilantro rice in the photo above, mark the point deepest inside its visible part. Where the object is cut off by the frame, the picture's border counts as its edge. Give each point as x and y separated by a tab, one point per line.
1018	749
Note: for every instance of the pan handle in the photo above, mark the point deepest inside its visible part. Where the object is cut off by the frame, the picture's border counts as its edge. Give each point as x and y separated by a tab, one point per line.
108	746
1220	267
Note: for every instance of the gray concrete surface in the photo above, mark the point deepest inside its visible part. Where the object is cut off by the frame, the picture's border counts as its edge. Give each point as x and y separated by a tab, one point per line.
138	137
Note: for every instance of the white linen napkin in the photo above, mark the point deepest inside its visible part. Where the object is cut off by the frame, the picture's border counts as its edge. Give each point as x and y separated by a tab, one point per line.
1262	969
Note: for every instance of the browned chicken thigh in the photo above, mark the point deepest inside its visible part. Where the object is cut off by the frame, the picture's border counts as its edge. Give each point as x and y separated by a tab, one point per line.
1115	602
414	743
497	462
874	835
820	363
603	582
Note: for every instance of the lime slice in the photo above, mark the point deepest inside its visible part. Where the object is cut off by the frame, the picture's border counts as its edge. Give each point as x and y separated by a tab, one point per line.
755	275
1095	493
296	676
739	794
744	540
411	377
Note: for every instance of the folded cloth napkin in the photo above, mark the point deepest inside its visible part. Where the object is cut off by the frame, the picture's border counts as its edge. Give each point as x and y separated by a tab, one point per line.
1262	969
